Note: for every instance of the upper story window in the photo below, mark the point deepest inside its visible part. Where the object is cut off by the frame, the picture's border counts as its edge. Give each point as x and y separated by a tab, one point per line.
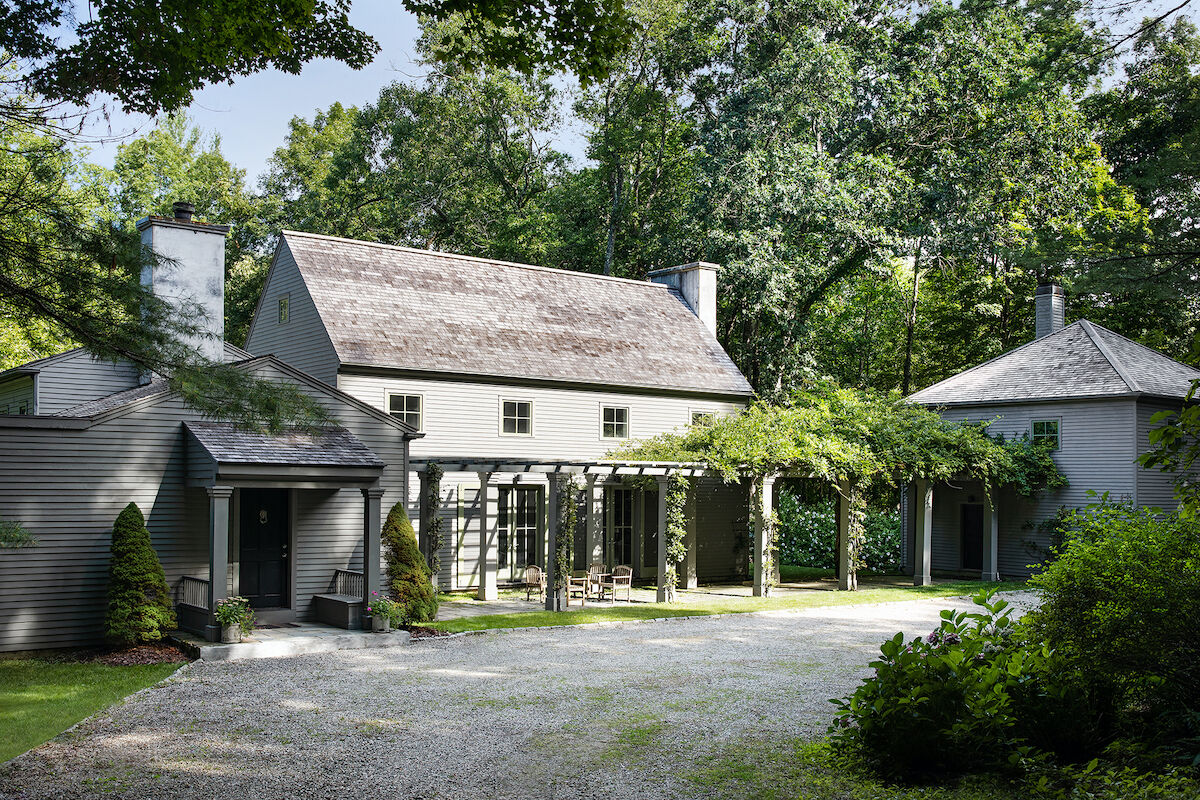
516	417
285	308
1045	430
703	417
407	408
614	422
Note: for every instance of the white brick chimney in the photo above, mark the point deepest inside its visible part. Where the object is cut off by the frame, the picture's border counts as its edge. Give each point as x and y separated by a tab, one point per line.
193	270
1050	303
697	282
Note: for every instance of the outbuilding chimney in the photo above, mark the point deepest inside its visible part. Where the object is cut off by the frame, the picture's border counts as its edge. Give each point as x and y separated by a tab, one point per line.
190	269
697	282
1050	303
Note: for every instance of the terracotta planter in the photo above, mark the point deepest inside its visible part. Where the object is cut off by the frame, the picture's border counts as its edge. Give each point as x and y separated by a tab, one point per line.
231	634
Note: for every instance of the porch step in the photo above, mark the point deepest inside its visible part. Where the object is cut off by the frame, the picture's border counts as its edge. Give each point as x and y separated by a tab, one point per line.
275	646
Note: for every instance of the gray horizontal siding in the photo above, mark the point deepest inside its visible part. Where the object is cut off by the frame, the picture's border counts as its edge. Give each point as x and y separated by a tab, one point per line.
17	393
1154	488
302	341
77	377
67	487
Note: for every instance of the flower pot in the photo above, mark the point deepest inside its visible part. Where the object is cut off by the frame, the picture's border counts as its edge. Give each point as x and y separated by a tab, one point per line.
380	623
231	634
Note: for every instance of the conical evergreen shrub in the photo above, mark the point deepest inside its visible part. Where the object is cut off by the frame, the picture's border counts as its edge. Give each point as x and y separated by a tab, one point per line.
408	575
139	602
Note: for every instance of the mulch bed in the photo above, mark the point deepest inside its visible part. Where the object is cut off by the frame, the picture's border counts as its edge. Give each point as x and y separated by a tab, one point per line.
420	632
142	654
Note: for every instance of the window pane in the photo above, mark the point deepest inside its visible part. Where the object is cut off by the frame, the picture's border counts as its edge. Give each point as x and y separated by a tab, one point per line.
522	425
510	425
396	403
510	408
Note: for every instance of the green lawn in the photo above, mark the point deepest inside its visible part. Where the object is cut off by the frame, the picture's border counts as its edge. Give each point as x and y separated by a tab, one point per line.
40	699
713	604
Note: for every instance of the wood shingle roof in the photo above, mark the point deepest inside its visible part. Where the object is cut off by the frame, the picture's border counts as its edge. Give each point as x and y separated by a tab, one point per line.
1083	360
400	308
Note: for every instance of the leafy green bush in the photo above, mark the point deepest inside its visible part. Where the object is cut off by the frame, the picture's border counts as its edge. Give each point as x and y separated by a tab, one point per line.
1121	603
969	696
408	574
139	602
808	535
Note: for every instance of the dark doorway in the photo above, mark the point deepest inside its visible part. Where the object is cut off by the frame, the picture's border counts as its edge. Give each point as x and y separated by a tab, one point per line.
972	536
650	530
264	530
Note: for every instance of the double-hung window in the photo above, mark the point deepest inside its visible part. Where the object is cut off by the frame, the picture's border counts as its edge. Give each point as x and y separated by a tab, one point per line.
614	422
516	417
1046	430
407	408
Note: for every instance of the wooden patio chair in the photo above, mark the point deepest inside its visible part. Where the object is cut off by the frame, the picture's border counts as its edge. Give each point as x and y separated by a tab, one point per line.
595	579
577	584
535	580
621	578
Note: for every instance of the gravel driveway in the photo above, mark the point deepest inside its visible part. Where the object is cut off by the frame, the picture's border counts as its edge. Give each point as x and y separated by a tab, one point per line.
623	711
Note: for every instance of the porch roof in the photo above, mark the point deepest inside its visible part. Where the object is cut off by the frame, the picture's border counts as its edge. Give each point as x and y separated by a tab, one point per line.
220	451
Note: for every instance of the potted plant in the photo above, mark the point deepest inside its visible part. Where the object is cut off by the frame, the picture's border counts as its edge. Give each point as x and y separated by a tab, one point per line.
384	613
235	617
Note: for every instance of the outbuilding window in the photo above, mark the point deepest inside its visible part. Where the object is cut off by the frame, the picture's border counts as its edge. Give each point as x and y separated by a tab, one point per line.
703	418
516	417
614	422
407	408
1045	430
285	308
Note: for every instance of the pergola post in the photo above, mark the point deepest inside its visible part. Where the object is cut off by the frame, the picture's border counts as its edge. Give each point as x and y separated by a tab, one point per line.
423	517
847	579
690	579
554	598
663	486
219	499
991	539
763	507
372	499
489	558
595	514
923	555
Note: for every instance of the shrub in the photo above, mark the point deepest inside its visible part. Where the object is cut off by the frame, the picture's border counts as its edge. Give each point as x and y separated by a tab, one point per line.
139	602
971	695
808	535
1120	603
408	576
235	611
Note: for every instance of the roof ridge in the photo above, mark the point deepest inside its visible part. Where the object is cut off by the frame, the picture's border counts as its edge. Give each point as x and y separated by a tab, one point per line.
479	259
993	359
1109	356
1141	346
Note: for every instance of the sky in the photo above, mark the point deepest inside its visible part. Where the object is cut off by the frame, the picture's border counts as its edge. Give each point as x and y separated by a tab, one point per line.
251	116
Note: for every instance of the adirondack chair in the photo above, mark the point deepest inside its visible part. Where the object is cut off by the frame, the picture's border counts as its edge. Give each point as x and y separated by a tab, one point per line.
535	580
621	578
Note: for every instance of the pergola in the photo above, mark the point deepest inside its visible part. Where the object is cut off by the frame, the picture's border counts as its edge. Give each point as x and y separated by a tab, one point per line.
594	472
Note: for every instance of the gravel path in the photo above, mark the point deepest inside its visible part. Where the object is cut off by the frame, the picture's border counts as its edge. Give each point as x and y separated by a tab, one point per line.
624	711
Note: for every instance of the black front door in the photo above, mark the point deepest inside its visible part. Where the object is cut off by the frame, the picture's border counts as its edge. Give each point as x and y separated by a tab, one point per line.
972	536
264	549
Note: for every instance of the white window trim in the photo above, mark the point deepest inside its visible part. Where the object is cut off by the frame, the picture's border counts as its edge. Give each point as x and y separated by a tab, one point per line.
500	416
388	394
1048	419
694	411
628	423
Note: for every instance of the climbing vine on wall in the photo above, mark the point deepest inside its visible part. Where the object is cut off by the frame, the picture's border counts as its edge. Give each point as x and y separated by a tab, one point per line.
855	530
676	535
433	524
770	529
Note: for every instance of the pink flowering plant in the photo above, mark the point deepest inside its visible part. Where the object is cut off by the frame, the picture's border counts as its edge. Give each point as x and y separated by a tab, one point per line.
384	606
235	611
973	694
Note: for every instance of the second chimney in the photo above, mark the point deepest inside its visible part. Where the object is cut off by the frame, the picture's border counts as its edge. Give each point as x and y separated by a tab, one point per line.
697	282
1050	303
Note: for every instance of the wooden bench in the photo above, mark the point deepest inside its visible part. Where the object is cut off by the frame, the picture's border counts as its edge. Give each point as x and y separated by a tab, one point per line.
341	607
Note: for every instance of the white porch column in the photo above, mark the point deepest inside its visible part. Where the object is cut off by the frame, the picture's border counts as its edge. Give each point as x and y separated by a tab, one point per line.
923	555
554	599
846	581
991	539
595	521
690	579
489	557
219	500
661	579
372	497
761	513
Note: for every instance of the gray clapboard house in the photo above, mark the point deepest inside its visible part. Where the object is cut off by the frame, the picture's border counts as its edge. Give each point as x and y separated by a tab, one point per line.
1088	391
274	517
514	372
